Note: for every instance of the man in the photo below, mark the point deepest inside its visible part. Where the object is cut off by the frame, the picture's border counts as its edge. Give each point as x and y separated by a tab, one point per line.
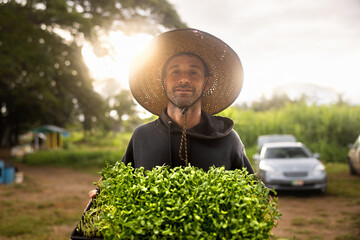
185	76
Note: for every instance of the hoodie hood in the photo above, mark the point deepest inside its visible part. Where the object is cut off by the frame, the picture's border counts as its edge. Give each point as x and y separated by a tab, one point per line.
210	127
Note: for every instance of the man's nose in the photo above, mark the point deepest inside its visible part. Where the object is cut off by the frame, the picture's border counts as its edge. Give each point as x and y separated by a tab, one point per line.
184	78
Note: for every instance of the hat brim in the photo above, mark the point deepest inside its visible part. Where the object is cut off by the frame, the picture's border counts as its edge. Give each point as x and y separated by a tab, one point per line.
145	77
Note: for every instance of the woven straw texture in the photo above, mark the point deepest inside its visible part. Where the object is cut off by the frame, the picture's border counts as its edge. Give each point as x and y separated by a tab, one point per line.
224	64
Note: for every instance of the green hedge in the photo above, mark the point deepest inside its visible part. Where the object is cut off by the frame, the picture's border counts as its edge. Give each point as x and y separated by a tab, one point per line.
326	129
74	158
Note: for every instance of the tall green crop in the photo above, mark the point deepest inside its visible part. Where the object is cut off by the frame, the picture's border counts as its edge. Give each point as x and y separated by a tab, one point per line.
180	203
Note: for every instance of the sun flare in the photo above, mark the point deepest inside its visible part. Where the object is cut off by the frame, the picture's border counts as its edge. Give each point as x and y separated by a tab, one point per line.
116	64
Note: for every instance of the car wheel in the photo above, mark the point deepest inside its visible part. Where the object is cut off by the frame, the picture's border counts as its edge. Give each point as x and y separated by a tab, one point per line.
351	168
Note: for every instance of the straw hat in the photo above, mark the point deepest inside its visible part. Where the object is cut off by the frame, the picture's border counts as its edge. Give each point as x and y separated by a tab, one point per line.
224	64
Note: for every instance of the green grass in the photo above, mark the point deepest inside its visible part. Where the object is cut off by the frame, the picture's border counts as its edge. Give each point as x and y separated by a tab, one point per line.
341	183
332	168
317	221
29	219
299	221
347	237
86	153
22	218
77	159
98	141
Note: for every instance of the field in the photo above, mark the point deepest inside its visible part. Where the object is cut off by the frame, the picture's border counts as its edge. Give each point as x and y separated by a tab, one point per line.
50	201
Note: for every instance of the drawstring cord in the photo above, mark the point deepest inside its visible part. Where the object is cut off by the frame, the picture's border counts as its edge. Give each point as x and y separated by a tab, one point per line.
170	123
183	141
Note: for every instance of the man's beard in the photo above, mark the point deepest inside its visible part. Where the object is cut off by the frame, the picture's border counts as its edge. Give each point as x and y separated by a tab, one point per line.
182	101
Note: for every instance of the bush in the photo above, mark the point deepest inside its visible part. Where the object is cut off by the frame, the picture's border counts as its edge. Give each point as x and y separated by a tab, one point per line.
330	151
326	129
180	203
101	139
73	158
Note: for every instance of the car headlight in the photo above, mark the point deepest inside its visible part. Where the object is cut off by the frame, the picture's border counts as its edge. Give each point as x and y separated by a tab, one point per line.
318	170
268	170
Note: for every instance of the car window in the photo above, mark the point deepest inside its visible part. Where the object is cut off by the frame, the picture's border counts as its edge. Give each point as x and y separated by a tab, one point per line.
291	152
274	138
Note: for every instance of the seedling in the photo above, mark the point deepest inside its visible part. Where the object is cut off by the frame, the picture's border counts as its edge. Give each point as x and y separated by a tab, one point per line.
180	203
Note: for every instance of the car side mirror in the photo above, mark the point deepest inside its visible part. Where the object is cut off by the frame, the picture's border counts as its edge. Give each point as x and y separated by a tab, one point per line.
316	155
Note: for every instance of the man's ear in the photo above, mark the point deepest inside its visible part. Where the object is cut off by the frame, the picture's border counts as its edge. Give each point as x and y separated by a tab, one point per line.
163	83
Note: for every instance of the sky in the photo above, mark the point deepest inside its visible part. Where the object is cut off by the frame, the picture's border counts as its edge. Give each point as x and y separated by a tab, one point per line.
284	45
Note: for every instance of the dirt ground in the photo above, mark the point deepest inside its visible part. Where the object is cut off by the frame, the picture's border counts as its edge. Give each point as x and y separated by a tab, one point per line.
309	216
304	216
61	192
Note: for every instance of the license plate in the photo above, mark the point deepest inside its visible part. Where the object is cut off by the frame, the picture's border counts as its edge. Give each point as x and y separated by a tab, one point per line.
297	182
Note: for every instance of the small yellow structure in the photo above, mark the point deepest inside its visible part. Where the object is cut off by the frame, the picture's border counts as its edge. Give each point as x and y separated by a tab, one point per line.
52	135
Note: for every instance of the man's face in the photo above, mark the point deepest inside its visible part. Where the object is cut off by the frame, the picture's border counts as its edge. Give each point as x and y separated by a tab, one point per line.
184	80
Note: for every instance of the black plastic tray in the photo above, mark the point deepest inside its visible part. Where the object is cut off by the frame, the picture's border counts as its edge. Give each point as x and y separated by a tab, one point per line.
76	235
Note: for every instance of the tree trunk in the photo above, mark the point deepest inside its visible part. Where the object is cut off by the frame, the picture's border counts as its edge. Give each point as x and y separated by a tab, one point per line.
5	137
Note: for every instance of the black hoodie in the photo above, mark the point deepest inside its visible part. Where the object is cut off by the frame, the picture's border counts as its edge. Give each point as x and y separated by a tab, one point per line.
212	142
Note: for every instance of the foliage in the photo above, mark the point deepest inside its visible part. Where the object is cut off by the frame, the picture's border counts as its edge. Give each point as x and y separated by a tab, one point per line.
276	102
100	140
180	203
75	158
40	75
82	151
348	187
122	107
43	78
326	129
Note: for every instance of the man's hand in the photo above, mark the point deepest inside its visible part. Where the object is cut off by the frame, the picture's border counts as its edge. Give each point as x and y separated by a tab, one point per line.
92	194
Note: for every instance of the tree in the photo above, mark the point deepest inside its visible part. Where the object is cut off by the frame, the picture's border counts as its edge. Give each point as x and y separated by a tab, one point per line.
121	107
275	102
43	78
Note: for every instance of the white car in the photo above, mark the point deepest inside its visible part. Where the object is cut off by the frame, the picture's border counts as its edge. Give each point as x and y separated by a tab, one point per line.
274	138
354	157
290	166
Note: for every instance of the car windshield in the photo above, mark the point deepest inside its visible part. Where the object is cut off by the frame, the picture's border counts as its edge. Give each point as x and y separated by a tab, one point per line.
290	152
